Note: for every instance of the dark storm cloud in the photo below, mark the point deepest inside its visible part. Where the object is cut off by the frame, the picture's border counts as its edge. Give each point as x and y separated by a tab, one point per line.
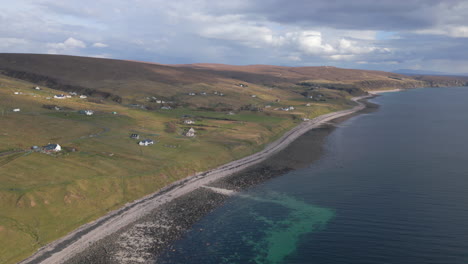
355	14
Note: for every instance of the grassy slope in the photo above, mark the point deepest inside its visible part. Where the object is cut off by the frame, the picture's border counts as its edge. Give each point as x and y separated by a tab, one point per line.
43	197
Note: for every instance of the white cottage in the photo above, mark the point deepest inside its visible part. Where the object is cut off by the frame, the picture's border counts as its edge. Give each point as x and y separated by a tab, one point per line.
52	148
190	132
146	142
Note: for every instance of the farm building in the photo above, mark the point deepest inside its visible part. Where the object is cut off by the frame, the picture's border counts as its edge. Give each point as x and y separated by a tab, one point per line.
146	142
135	136
190	132
87	112
52	148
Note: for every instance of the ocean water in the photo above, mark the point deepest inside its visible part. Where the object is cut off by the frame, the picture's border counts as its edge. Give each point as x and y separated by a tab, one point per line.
392	187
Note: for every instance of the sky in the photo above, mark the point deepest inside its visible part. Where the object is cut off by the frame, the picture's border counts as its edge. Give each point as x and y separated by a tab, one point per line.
365	34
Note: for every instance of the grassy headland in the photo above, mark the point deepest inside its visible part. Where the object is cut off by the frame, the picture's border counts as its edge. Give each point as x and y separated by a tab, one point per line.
236	111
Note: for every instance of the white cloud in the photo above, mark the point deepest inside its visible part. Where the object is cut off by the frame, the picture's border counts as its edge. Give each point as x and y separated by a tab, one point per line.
346	57
310	42
70	45
100	45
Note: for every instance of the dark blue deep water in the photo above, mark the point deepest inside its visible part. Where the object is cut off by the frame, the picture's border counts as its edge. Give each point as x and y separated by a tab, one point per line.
392	187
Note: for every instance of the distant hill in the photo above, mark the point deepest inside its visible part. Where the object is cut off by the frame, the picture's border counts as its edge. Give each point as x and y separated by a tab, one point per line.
424	72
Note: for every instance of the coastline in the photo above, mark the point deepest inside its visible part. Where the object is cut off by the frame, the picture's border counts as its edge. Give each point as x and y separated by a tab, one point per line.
184	192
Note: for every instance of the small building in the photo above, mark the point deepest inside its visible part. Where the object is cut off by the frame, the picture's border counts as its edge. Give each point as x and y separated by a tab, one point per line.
73	93
290	108
52	148
18	93
135	136
189	122
87	112
59	96
203	93
114	113
146	142
166	108
192	94
267	106
307	104
190	132
16	110
305	119
230	113
253	96
37	88
83	96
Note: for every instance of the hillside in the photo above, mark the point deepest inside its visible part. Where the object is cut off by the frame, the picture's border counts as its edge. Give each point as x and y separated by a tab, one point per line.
235	111
131	82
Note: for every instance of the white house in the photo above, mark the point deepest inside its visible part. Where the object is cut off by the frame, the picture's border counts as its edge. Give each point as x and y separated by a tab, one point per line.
146	142
87	112
253	95
59	96
52	148
190	132
189	122
83	96
16	110
305	119
192	94
37	88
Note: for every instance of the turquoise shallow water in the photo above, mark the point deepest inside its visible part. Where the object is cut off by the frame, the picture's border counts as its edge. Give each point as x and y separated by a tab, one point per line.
391	188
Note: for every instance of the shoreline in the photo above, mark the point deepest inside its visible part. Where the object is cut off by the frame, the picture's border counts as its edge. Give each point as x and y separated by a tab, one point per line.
81	239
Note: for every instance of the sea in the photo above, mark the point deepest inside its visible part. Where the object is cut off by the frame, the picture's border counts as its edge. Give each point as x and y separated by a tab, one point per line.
391	187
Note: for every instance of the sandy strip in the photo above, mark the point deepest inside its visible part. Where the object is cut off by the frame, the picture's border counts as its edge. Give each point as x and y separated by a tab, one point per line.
75	242
384	91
